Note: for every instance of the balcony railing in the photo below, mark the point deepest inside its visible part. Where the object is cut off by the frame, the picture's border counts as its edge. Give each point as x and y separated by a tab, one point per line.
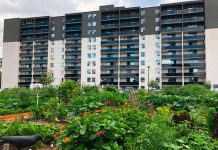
109	17
26	54
110	34
129	58
172	56
72	59
194	37
171	21
40	60
196	65
165	30
107	26
25	68
46	23
109	59
72	44
128	32
166	39
73	67
129	41
41	39
40	53
171	65
72	29
109	42
28	47
72	52
25	61
131	24
172	83
171	47
73	21
73	36
39	68
109	51
171	74
43	46
129	50
193	47
194	56
201	74
193	10
129	16
197	28
193	19
171	12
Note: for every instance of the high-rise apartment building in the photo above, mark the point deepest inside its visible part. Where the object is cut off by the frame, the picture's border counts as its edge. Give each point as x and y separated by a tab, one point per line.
174	44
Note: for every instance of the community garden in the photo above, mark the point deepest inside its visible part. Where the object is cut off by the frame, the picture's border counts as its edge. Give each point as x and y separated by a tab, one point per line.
69	117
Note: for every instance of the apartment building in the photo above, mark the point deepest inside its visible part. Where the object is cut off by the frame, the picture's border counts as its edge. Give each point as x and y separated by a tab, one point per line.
173	44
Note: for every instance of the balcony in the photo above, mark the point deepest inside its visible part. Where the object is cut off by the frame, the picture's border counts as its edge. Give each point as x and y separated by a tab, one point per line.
128	75
130	58
109	26
129	83
172	83
41	39
124	50
73	21
69	52
172	56
194	56
40	53
73	67
27	47
168	39
196	28
27	32
110	34
127	67
130	24
129	32
72	44
198	74
39	68
44	31
104	51
115	17
171	12
26	54
109	59
43	46
109	42
193	19
109	75
25	61
171	65
194	37
25	69
107	67
171	21
73	36
172	47
111	83
193	47
129	16
68	29
169	30
193	10
72	75
194	65
73	60
45	23
40	60
30	39
171	74
25	75
129	41
30	25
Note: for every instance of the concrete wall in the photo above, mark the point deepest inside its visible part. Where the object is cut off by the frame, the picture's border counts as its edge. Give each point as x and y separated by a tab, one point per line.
85	60
150	59
211	56
10	64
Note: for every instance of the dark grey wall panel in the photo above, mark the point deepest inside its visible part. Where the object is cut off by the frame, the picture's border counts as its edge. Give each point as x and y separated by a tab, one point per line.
85	21
211	13
58	27
11	30
150	23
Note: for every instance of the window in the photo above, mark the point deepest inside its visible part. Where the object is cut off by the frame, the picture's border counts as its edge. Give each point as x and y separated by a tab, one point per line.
142	45
157	11
52	57
92	39
157	45
93	47
157	53
93	63
142	79
91	32
157	62
142	13
132	79
88	63
52	35
89	55
53	28
89	47
142	21
89	71
142	54
157	20
52	50
142	38
88	79
93	55
142	71
142	29
142	62
52	64
132	63
157	71
93	79
93	71
63	28
91	24
157	28
52	43
91	16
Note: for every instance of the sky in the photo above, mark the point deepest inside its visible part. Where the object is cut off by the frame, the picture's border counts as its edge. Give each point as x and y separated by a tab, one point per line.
32	8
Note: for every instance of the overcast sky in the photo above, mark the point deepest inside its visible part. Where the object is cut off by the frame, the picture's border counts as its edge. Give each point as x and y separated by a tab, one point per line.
31	8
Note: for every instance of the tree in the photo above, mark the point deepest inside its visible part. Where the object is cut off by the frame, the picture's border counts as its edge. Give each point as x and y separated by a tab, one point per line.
47	78
153	84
